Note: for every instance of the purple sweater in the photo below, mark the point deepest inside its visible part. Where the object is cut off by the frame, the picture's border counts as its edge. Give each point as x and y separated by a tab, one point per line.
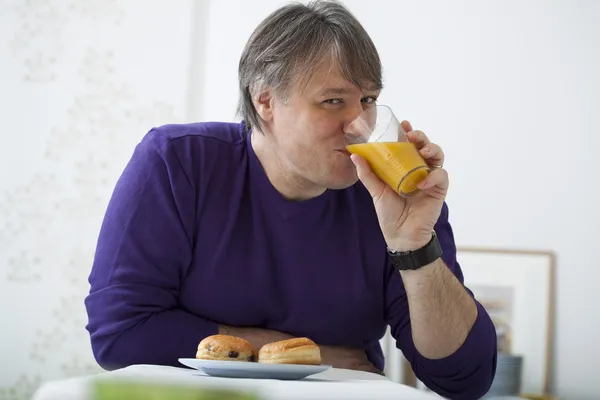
196	236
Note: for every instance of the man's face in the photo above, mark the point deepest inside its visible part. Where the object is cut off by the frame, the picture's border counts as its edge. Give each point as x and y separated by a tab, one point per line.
308	129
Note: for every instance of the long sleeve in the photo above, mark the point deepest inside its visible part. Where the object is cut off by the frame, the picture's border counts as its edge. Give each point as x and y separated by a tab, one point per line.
143	253
468	372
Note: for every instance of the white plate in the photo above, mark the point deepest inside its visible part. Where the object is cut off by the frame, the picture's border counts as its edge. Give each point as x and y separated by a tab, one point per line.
243	369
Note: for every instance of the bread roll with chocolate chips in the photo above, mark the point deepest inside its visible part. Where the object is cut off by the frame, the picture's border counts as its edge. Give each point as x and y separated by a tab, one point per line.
291	351
226	348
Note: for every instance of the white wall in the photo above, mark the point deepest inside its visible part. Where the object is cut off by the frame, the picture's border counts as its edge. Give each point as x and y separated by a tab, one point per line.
80	85
508	89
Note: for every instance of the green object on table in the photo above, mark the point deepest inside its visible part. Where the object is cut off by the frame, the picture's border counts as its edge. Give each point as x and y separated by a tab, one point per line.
128	390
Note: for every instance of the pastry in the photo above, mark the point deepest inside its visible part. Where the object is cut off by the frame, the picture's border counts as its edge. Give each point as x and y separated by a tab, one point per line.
290	351
226	348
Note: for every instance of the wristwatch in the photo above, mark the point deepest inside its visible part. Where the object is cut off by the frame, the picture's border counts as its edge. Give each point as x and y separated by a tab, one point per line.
415	259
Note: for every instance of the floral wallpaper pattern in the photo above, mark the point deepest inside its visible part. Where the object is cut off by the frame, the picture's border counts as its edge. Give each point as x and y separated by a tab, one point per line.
63	59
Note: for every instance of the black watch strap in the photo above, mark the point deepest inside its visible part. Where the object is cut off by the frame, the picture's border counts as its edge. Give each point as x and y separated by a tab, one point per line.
411	260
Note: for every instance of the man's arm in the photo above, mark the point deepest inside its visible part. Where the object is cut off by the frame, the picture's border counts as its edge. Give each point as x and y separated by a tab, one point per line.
444	333
143	252
144	249
442	313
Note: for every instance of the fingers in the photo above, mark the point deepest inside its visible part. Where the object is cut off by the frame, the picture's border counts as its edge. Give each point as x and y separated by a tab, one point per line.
418	138
406	126
433	155
437	180
374	185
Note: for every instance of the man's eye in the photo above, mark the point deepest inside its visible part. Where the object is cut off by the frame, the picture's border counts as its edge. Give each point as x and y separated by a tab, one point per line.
333	101
369	100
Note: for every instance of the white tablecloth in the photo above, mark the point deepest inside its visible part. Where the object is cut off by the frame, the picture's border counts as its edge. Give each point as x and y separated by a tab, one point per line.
331	384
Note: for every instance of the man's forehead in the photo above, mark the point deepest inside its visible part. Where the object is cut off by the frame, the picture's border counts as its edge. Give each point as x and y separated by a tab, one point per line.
334	82
326	78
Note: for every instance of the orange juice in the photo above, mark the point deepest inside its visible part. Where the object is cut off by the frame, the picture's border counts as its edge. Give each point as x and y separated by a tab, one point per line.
398	164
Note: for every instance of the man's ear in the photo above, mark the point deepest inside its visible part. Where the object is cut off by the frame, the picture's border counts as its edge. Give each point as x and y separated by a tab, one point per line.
263	103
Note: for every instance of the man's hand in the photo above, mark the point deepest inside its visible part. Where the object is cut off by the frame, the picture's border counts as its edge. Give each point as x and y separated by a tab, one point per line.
407	224
347	358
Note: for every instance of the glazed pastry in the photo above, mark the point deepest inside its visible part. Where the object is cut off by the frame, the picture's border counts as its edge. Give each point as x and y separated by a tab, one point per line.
226	348
291	351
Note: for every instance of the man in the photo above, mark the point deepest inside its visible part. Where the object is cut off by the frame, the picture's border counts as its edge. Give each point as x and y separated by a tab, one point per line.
268	229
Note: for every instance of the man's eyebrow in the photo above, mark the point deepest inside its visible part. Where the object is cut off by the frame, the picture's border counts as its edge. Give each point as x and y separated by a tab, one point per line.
340	90
334	91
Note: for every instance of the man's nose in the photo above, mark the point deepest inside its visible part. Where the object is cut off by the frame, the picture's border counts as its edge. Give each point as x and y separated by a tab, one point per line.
352	114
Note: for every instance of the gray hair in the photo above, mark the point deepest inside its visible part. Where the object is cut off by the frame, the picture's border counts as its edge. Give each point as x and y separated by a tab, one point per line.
285	48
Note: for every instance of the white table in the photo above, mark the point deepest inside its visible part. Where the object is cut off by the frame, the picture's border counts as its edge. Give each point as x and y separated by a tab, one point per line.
331	384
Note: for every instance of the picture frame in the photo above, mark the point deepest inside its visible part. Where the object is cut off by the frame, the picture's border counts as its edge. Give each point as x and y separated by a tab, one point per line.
516	287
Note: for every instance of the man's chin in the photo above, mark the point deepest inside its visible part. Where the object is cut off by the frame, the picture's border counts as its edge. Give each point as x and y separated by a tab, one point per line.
339	184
